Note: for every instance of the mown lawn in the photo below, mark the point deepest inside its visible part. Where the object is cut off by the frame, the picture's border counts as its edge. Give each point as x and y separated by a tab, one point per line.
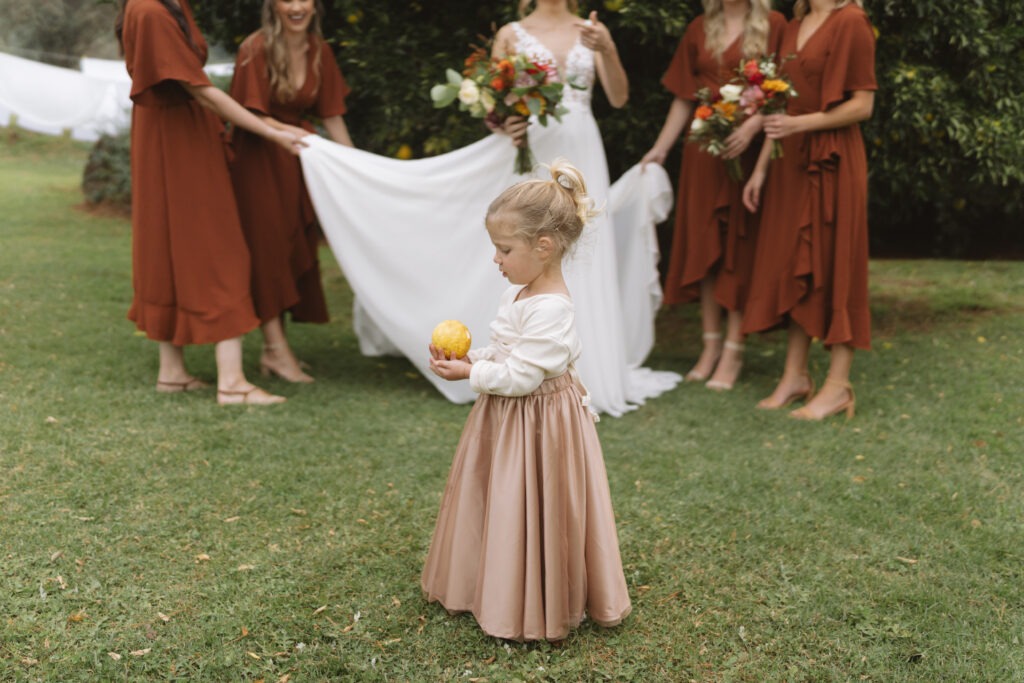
146	536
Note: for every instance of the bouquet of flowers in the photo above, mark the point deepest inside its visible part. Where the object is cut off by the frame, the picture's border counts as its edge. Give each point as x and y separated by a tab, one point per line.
764	91
494	89
714	120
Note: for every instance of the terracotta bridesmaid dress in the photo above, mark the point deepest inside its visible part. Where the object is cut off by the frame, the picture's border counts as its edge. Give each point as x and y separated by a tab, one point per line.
811	265
190	264
277	216
713	234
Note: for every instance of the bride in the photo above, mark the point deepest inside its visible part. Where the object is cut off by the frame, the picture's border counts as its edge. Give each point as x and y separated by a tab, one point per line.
404	232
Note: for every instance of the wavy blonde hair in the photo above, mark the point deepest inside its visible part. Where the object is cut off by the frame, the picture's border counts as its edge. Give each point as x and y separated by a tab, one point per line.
802	7
524	5
557	208
277	50
756	28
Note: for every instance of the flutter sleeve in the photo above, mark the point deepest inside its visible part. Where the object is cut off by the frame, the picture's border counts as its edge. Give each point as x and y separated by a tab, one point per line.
540	351
850	64
681	77
333	86
250	85
158	51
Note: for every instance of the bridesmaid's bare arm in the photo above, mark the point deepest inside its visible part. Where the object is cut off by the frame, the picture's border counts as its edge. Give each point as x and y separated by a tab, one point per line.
338	131
231	111
854	110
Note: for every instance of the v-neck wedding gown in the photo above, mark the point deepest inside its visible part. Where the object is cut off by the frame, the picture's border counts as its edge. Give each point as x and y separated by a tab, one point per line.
410	238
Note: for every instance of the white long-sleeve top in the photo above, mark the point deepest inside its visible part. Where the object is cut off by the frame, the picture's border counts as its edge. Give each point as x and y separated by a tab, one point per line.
532	339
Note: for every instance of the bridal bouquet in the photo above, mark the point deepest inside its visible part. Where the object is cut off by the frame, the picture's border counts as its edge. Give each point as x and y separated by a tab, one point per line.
764	91
494	89
716	117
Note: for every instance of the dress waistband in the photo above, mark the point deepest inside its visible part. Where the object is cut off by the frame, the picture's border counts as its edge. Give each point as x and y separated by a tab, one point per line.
569	378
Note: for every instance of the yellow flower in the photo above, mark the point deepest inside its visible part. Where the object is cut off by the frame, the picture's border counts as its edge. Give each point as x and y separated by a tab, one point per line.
775	85
522	109
404	152
726	109
354	17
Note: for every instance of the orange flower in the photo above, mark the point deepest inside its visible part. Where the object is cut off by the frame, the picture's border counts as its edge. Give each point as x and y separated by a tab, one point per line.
726	109
498	84
703	112
522	108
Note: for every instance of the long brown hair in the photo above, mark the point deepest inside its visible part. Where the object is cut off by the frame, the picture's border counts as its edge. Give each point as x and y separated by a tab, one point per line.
172	7
277	50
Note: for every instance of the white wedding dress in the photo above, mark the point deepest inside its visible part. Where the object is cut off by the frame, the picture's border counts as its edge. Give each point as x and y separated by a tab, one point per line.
410	238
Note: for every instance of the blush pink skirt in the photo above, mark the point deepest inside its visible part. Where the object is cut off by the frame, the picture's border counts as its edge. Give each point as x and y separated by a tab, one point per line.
525	537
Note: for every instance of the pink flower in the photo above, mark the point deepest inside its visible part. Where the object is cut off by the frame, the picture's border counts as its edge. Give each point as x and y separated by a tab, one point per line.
751	99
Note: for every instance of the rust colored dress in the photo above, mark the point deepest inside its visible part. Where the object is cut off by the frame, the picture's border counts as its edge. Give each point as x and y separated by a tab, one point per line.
277	216
714	233
190	265
811	265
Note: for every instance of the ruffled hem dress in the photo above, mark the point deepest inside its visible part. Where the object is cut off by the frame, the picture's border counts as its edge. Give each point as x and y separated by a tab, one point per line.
190	264
277	216
714	235
525	538
811	265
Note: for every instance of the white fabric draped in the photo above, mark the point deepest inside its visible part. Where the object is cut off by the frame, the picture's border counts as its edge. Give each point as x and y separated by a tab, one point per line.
51	100
410	238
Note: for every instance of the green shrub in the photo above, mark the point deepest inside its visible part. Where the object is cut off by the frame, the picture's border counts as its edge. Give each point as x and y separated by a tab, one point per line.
107	178
946	143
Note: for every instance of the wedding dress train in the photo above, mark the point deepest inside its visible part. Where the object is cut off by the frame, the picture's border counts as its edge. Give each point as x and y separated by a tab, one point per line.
410	238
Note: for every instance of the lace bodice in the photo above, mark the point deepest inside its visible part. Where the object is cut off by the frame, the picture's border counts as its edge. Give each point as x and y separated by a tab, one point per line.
578	67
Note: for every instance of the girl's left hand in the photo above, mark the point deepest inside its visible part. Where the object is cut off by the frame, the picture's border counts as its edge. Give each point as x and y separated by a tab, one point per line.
454	369
778	126
595	36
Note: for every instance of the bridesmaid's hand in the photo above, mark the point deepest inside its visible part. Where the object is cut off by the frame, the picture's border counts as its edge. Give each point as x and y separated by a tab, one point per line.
290	141
595	36
654	156
741	138
752	190
457	368
778	126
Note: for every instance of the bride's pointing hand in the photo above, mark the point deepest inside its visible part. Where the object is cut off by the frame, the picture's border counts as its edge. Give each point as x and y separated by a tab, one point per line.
595	36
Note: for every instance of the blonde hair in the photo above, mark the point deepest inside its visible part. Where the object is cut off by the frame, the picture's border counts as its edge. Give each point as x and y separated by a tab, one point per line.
277	50
524	5
556	208
802	7
756	28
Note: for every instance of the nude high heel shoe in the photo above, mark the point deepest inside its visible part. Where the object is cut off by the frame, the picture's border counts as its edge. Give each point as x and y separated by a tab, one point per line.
849	405
719	385
268	368
693	375
795	396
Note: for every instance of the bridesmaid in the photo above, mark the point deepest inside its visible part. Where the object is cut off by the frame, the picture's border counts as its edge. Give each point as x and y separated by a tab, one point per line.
811	266
190	265
713	244
285	74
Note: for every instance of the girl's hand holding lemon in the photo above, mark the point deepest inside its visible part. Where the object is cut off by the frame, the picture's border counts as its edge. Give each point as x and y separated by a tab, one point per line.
449	345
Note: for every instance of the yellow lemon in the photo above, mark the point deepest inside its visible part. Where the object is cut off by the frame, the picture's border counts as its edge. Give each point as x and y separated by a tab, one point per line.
453	338
404	152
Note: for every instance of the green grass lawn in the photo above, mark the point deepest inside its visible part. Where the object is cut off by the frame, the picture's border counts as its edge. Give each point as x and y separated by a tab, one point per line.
149	536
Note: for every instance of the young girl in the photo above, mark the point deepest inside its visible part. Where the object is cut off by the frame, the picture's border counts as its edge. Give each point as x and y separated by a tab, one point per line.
525	538
713	244
285	73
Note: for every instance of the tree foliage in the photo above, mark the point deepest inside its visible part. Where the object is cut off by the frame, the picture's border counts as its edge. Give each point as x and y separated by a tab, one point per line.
946	143
55	31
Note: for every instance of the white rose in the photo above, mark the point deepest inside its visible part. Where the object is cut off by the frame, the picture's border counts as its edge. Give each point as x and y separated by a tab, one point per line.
697	125
468	92
487	99
768	69
731	93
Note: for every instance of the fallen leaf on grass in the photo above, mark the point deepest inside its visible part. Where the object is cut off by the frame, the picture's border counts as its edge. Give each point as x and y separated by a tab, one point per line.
56	556
254	655
229	520
50	419
113	655
395	602
29	661
906	560
202	557
489	660
318	610
246	567
139	653
163	617
298	511
77	616
285	678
